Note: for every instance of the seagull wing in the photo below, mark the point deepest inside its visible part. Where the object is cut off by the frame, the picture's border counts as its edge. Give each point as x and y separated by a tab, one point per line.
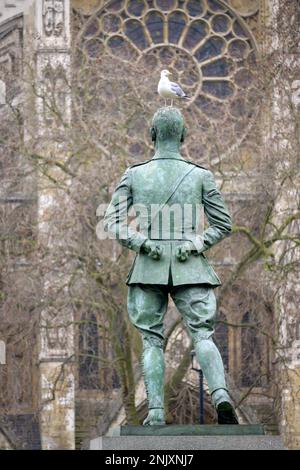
177	90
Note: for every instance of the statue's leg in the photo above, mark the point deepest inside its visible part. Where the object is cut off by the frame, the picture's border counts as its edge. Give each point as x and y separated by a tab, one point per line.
153	371
147	306
197	304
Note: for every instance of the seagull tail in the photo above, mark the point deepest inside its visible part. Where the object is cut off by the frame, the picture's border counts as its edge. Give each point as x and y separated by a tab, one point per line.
186	97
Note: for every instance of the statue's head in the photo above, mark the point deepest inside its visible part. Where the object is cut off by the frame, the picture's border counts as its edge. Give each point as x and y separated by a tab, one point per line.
168	124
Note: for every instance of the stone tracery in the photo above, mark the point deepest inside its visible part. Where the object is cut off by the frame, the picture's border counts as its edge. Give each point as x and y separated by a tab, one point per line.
205	43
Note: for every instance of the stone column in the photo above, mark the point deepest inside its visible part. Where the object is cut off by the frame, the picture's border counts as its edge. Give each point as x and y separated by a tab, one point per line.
56	345
289	292
284	142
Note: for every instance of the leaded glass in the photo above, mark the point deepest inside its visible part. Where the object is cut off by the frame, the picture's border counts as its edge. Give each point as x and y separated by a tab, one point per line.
176	24
195	7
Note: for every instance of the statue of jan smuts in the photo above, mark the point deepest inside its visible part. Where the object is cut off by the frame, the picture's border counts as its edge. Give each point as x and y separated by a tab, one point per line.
170	259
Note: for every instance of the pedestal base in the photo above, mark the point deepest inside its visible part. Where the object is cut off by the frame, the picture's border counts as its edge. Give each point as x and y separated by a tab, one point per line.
190	430
189	437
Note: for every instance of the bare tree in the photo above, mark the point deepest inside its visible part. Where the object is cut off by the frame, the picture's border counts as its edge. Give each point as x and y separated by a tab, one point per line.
109	130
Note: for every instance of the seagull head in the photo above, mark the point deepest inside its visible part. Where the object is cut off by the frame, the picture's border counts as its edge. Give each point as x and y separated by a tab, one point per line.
165	73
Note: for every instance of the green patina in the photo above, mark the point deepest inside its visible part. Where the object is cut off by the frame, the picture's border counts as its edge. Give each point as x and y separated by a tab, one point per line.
168	130
171	262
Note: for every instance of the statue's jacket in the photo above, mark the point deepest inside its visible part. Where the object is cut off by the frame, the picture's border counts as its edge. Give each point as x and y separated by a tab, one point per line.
145	188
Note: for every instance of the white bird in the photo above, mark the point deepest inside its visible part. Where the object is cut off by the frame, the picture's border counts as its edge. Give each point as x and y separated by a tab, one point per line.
167	89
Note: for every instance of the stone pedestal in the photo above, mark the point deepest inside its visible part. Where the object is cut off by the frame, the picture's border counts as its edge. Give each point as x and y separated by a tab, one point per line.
188	437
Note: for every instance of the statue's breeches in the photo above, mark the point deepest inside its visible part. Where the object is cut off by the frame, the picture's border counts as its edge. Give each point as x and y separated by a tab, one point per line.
147	305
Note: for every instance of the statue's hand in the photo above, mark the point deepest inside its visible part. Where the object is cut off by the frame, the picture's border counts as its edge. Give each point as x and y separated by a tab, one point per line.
183	251
153	250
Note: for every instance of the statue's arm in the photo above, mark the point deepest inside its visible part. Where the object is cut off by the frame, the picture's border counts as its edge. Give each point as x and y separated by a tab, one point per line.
116	216
217	214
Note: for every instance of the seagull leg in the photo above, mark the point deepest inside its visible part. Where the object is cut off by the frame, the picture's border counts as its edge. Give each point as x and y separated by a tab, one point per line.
171	103
165	102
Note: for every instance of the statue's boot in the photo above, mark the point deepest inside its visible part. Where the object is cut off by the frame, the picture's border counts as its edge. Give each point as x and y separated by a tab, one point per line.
155	417
211	364
153	369
226	413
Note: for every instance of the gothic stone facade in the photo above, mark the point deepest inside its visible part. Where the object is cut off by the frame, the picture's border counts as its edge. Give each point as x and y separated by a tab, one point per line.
173	32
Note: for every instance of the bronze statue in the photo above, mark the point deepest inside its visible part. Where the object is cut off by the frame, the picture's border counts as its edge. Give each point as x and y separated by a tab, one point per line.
170	258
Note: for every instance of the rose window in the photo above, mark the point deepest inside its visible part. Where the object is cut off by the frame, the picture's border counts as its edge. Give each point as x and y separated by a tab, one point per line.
206	45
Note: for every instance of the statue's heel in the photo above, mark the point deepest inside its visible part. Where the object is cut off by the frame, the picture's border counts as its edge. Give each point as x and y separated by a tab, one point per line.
156	417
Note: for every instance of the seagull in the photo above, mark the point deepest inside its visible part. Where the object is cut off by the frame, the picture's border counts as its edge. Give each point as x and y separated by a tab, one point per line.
167	89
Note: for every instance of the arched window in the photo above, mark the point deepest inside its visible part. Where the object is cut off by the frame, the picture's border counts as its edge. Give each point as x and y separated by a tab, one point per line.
221	339
88	353
96	370
251	353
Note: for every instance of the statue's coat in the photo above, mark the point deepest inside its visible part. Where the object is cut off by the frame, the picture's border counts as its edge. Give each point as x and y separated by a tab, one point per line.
148	183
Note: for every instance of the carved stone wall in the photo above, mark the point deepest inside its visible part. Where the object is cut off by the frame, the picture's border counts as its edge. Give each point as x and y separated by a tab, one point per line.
51	37
49	25
11	8
284	111
18	389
